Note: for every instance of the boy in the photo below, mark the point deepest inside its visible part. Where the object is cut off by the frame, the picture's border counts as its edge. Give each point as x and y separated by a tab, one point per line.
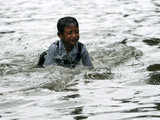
67	52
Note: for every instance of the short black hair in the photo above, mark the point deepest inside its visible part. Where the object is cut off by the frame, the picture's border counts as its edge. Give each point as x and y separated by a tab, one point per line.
65	21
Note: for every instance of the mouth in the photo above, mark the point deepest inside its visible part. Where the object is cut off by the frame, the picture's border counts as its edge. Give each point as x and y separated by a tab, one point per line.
73	42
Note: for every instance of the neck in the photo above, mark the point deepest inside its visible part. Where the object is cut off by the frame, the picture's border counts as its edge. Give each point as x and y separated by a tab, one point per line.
68	47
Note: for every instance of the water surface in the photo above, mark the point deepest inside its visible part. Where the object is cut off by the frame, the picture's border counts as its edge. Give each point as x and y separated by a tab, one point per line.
120	87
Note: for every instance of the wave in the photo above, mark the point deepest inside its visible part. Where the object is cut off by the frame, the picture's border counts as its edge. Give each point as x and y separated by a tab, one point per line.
58	78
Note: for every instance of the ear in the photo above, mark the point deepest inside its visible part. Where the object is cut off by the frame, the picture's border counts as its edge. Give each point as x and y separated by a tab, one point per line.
59	35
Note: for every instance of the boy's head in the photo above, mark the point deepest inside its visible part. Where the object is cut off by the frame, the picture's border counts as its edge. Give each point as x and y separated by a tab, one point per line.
66	21
68	30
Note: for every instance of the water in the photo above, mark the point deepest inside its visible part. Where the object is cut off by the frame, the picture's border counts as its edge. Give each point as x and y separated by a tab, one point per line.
122	86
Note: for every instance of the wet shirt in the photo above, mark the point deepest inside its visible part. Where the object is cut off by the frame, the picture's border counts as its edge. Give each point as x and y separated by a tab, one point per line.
57	55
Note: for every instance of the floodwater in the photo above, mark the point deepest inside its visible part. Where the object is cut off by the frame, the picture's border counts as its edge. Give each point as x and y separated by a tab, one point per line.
124	84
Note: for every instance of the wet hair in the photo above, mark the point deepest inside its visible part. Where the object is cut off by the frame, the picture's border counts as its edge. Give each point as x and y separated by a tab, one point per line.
65	21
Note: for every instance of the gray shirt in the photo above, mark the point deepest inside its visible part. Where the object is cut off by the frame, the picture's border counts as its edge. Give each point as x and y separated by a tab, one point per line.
58	52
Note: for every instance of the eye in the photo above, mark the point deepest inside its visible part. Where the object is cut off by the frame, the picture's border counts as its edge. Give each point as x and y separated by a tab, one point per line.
70	32
77	31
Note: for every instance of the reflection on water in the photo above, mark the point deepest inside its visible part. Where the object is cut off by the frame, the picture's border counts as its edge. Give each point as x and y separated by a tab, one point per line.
154	78
123	40
78	114
6	32
152	41
72	96
157	107
154	75
154	67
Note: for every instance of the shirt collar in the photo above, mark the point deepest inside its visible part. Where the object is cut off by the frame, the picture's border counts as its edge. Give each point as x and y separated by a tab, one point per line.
61	46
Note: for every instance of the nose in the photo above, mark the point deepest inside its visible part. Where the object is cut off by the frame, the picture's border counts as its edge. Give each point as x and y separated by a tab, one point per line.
73	35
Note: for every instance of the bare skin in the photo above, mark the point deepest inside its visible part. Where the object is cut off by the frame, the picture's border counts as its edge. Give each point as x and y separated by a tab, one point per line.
70	37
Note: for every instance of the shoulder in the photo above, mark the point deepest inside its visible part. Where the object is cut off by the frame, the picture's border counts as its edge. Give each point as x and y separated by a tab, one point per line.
53	48
82	47
54	45
79	43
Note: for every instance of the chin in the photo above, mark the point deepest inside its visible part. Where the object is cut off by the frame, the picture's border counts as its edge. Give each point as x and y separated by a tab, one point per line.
73	44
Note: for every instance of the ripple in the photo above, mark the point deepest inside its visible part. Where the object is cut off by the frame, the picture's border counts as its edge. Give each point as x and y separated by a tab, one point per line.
154	78
152	41
99	73
29	27
7	32
154	67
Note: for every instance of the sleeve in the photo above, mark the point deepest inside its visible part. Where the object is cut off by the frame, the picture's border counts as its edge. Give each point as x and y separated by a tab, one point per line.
86	61
49	59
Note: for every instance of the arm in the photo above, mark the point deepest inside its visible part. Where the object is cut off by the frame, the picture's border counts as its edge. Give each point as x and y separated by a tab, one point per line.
86	58
49	59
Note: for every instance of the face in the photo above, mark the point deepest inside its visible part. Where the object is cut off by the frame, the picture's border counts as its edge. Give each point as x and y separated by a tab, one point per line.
70	35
